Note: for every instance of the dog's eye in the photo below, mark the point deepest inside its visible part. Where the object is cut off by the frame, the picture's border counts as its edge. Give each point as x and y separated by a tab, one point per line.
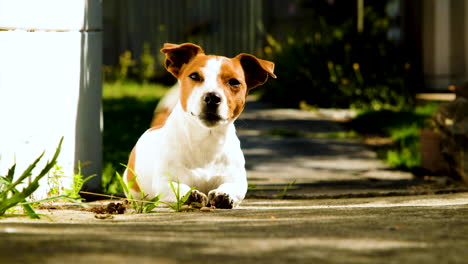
234	83
195	76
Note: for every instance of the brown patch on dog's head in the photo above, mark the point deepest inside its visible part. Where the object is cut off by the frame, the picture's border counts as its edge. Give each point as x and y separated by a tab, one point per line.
241	74
232	80
177	56
256	70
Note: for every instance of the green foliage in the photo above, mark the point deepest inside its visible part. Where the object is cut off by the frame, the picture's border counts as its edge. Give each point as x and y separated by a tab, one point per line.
142	70
180	200
10	196
141	206
147	63
144	205
334	66
403	127
110	184
53	180
125	62
78	181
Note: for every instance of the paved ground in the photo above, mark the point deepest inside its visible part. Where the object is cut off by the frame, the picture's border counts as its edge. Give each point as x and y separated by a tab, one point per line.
320	166
283	159
409	229
345	207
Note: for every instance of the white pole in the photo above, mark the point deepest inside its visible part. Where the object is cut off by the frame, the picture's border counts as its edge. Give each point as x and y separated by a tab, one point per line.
50	85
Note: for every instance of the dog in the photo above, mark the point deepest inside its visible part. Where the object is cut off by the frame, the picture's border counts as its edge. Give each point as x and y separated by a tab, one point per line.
192	144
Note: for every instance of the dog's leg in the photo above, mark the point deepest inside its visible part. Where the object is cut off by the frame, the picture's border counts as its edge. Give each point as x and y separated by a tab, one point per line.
227	195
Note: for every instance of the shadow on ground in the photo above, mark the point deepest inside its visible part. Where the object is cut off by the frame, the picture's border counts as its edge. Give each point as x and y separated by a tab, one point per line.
306	167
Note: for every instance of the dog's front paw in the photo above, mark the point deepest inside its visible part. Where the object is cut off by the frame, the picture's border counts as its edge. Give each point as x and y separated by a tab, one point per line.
197	199
220	200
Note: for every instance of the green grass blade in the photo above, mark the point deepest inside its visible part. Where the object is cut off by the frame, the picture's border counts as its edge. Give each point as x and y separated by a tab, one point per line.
187	195
25	174
125	188
18	197
151	204
30	211
50	164
11	173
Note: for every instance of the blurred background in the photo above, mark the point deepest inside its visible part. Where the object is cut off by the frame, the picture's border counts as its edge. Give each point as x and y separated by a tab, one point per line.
390	61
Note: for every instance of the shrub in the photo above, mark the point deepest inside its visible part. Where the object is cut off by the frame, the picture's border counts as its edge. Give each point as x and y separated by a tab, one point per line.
333	66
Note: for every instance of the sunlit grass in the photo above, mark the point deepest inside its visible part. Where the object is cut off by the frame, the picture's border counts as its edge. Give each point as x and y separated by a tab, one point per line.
140	91
128	109
403	127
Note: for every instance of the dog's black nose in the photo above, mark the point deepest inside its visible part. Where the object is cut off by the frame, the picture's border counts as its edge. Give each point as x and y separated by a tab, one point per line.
212	99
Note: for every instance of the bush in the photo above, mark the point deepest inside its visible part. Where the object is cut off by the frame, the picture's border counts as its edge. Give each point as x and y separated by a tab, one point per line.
333	66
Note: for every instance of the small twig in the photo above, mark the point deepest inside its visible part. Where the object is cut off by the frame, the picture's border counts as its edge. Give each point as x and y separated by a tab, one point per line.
115	197
104	195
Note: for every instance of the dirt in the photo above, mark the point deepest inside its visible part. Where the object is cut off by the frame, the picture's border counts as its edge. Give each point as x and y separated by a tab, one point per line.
110	208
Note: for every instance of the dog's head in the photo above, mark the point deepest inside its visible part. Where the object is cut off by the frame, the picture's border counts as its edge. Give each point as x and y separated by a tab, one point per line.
214	88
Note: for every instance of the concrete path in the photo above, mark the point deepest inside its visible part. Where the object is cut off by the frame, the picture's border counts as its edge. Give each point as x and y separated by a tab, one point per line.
345	206
409	229
319	164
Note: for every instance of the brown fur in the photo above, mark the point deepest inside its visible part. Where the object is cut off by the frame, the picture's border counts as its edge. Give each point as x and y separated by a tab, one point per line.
160	117
131	169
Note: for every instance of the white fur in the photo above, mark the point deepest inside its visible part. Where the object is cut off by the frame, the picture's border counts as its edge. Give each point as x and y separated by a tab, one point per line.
187	152
210	73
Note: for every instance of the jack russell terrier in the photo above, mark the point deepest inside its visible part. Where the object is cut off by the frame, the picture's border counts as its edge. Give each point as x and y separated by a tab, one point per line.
193	141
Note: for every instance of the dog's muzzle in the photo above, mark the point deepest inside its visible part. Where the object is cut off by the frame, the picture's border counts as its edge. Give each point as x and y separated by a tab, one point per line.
209	114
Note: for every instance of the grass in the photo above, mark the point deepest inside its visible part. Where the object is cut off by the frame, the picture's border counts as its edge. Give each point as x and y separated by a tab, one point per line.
130	89
180	199
403	127
11	197
285	190
143	205
78	181
128	109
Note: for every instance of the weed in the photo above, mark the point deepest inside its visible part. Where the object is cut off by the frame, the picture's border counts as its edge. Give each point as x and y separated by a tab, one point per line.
286	188
180	200
11	197
78	182
251	187
140	206
53	181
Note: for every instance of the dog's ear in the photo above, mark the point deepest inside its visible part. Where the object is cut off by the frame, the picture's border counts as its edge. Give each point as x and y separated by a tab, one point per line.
256	71
178	55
